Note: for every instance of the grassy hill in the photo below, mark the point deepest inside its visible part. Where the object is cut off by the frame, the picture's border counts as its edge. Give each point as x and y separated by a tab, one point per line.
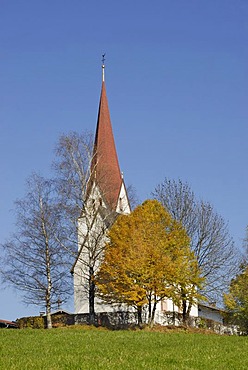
88	348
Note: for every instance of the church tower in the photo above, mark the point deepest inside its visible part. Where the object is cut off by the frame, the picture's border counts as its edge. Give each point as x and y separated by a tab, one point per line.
106	198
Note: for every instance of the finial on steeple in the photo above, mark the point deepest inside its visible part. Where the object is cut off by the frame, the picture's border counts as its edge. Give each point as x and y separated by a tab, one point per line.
103	66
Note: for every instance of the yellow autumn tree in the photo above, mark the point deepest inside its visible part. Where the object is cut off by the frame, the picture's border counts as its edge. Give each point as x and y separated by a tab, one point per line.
236	300
147	259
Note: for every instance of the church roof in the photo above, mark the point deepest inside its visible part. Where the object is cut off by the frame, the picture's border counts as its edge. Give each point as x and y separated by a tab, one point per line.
105	166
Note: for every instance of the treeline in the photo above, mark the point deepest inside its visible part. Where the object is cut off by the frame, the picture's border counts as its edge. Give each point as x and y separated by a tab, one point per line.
172	246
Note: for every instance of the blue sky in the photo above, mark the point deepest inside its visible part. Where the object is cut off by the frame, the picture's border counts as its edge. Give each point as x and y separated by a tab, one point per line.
176	76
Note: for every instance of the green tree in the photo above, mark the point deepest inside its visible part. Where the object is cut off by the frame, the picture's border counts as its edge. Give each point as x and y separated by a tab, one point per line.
236	300
147	259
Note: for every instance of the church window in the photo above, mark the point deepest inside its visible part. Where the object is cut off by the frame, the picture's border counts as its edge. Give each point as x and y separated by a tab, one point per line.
121	205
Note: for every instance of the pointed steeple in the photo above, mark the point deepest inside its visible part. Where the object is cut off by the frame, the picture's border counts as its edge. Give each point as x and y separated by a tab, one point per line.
105	166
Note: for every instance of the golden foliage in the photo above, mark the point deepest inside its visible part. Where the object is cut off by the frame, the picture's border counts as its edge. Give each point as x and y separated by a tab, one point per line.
236	300
147	258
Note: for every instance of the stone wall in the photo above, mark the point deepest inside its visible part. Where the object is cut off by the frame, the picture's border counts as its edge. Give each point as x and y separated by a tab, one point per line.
125	319
112	320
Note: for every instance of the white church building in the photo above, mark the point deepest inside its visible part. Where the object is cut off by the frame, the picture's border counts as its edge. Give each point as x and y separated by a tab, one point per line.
106	199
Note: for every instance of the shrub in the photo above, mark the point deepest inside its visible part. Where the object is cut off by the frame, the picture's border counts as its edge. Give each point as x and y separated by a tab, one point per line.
32	322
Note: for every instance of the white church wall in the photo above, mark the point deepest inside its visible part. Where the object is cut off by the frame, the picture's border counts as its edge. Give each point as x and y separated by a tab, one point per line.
167	305
123	206
95	199
91	235
92	238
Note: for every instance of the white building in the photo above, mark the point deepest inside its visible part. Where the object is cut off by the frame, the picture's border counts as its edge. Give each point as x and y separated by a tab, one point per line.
211	312
106	198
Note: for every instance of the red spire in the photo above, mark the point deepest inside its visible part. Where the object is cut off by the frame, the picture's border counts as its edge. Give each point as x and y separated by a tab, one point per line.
105	167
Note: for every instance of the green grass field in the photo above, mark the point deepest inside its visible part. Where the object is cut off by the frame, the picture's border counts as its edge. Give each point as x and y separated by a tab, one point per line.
82	348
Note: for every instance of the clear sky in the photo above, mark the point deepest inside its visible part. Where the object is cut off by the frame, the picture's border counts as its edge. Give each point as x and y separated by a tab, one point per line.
176	76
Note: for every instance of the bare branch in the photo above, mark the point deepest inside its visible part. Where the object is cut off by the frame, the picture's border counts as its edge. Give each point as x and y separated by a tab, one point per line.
34	261
210	240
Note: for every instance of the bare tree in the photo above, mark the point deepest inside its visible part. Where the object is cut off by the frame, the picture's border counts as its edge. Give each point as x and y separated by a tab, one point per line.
73	167
87	219
72	174
210	240
34	261
92	238
132	196
83	189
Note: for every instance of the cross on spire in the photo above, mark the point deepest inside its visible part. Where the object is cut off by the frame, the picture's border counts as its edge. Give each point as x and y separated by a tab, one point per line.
103	66
105	166
103	58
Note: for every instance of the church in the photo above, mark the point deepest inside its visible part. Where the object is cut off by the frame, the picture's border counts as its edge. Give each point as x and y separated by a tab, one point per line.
106	198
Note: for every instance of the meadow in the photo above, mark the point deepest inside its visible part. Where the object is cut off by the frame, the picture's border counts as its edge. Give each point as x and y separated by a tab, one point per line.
89	349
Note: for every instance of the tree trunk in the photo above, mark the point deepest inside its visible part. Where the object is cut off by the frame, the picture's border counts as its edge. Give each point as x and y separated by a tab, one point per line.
139	310
92	288
48	320
153	313
184	311
149	309
48	274
48	305
188	310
